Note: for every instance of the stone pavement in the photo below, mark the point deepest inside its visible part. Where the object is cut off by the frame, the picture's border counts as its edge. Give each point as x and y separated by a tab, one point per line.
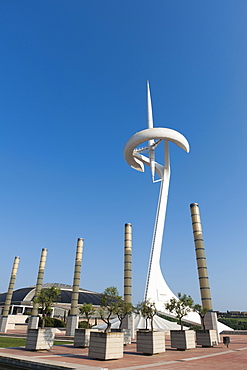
68	357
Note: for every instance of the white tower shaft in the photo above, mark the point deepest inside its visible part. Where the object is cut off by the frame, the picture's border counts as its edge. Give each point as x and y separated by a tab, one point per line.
157	289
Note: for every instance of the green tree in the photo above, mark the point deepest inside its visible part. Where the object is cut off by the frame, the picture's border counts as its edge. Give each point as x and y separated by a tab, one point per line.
46	299
87	310
180	307
147	310
202	312
123	309
108	305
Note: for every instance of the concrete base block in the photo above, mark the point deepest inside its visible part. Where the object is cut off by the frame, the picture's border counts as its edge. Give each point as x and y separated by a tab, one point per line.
33	322
126	333
40	339
150	342
82	337
128	323
182	339
106	346
3	324
210	322
71	325
206	338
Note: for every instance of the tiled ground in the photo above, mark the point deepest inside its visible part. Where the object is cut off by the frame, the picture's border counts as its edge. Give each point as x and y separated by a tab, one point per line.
219	357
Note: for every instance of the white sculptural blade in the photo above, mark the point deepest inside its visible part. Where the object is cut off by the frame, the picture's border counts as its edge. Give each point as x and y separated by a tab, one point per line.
149	108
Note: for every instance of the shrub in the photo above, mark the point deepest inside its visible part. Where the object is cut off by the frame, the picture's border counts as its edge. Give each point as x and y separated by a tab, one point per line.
84	325
29	313
51	322
88	310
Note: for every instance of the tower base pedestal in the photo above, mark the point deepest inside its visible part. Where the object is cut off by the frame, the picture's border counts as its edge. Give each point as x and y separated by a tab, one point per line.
128	323
33	322
71	325
3	324
210	322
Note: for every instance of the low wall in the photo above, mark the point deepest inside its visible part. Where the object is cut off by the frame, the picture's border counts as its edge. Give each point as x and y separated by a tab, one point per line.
18	364
17	319
234	332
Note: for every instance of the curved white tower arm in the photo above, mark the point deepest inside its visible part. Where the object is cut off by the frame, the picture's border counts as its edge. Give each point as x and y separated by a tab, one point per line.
152	134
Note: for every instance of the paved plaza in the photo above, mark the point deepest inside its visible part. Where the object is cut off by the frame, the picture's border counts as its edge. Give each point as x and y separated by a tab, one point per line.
67	357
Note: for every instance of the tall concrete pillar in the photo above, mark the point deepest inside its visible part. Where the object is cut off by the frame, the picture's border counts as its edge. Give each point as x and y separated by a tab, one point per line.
128	322
72	319
201	257
34	319
210	320
5	313
128	263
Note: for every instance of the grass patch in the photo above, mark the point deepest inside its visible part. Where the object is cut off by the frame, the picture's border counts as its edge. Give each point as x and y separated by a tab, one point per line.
6	342
60	343
234	322
12	342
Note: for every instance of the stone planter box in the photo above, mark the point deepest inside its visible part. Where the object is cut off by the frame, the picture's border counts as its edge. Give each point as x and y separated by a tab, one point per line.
206	338
39	339
182	339
106	346
82	337
150	342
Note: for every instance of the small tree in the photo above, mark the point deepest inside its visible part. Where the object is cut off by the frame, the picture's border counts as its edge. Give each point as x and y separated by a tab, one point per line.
202	312
147	310
108	305
46	299
123	309
87	310
180	307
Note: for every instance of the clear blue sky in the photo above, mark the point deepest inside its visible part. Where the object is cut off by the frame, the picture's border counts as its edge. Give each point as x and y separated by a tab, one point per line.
73	90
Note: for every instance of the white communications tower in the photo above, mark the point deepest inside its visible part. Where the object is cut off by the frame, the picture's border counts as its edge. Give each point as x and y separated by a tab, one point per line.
156	289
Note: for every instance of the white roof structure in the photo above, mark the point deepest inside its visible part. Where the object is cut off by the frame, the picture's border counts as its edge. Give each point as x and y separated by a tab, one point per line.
159	324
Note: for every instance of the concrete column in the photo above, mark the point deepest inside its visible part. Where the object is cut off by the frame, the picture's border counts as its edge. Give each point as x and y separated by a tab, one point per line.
128	322
201	257
128	263
72	319
34	319
5	313
210	320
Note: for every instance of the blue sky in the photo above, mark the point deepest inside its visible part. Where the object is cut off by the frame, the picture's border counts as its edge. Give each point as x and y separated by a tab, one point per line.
72	92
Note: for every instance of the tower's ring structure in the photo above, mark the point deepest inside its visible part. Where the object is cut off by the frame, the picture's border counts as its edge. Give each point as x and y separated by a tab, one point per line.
155	133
